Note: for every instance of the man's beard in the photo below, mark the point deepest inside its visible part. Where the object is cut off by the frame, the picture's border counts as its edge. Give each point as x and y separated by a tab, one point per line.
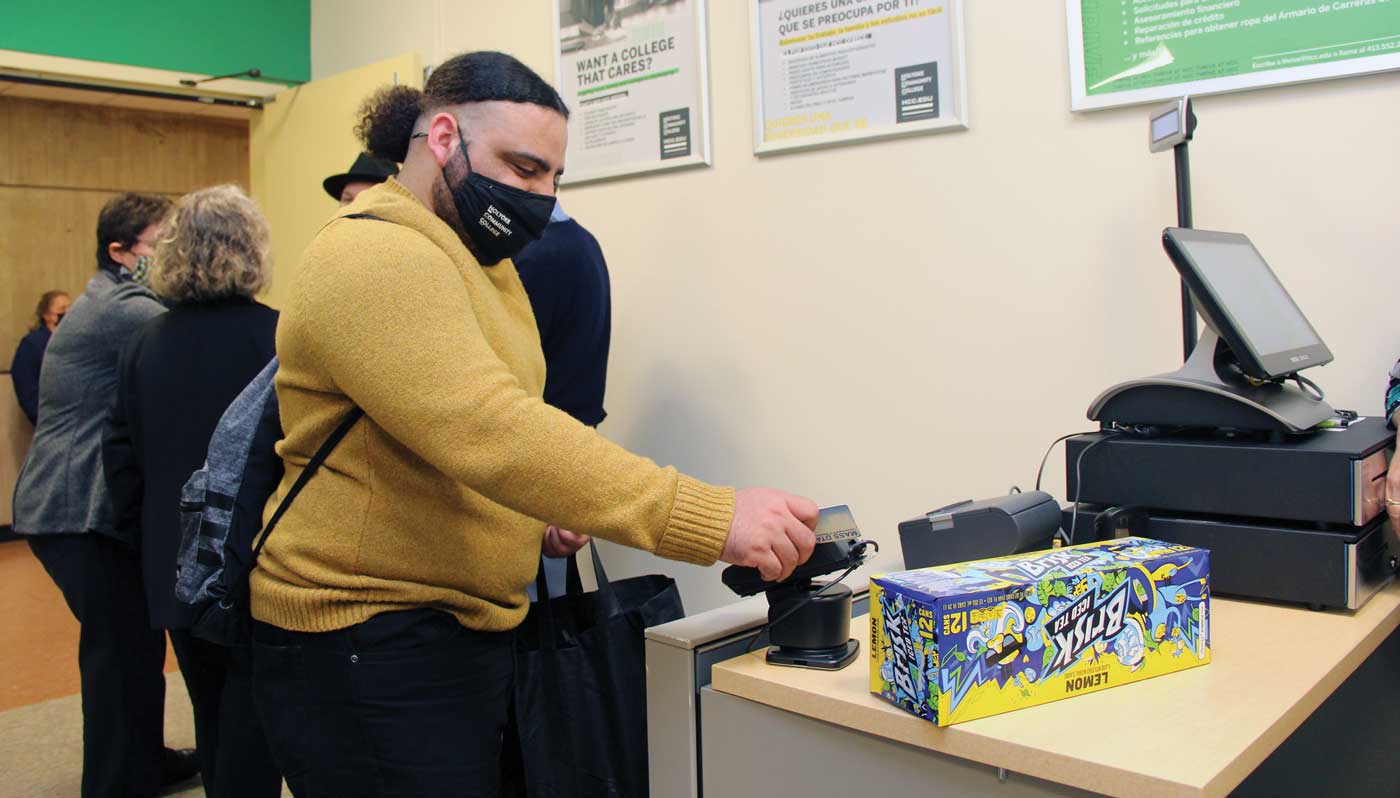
445	208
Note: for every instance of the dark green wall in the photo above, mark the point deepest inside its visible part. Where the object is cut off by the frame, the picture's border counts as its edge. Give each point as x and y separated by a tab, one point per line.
202	36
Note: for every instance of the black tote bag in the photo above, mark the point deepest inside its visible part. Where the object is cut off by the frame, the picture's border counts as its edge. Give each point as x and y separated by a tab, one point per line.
580	688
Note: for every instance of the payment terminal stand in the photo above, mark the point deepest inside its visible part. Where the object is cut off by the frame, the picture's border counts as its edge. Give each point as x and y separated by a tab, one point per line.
1170	127
1256	340
1210	392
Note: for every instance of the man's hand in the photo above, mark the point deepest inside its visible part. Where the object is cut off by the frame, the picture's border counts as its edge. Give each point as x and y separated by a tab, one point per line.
561	542
771	531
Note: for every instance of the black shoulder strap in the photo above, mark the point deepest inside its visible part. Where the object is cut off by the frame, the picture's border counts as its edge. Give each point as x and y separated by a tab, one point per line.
316	460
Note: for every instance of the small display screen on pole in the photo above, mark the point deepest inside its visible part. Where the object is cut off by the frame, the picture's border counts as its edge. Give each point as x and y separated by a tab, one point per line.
1166	124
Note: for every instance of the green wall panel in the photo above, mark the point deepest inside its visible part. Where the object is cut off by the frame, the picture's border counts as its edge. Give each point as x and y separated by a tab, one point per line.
202	36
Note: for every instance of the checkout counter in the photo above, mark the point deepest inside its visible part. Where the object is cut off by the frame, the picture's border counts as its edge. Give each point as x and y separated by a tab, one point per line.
1234	452
1294	703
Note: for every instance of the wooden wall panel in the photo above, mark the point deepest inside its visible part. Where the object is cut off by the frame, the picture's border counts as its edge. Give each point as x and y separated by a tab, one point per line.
70	145
59	164
48	240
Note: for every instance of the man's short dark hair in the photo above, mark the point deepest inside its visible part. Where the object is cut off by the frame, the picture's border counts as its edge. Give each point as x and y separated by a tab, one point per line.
387	117
123	219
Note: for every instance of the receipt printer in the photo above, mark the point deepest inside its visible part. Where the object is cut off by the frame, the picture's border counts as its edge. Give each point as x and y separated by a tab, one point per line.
977	530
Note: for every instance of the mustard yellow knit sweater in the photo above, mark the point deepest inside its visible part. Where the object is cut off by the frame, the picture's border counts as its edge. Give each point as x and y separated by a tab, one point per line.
439	497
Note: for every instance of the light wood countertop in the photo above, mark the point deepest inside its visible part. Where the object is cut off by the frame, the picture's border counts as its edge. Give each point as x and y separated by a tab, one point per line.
1196	734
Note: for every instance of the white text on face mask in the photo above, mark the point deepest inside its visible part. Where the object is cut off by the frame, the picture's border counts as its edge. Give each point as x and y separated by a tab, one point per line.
495	222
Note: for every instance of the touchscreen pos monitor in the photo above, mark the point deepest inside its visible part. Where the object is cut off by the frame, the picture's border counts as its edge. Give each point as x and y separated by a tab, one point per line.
1244	303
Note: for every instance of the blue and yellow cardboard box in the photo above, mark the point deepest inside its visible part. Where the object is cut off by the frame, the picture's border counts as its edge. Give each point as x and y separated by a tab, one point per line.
965	641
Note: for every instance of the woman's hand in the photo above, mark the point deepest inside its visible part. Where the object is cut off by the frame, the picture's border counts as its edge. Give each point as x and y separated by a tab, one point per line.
561	542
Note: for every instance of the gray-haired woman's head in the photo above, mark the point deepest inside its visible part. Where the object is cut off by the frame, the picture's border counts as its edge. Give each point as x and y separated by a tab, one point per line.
214	246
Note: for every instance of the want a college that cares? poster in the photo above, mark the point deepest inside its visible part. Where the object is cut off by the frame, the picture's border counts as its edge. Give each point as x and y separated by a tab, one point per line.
633	75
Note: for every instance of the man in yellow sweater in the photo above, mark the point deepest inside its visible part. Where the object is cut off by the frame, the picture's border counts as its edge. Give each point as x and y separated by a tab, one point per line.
385	599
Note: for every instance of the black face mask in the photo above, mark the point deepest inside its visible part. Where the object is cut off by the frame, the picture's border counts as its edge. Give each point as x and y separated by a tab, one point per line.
499	219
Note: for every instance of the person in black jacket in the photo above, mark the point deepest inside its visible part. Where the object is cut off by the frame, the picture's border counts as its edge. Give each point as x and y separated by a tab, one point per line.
177	375
29	356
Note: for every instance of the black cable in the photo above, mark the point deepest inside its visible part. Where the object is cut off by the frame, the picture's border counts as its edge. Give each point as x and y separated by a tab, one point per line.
1041	471
1079	482
1304	383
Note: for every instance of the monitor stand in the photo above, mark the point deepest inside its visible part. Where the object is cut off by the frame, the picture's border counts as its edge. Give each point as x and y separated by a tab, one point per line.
1210	391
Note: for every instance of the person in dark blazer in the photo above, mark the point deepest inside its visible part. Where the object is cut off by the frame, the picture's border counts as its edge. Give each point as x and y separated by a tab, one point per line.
177	375
62	507
29	356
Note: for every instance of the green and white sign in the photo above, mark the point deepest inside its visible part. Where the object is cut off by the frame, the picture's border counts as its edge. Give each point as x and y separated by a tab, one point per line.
635	75
1123	52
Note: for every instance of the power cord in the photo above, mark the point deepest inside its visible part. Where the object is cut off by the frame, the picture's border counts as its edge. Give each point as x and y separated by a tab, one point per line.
857	553
1304	384
1041	471
1079	483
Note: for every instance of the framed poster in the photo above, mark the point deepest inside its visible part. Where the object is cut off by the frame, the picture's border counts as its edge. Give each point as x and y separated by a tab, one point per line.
1124	53
829	72
635	76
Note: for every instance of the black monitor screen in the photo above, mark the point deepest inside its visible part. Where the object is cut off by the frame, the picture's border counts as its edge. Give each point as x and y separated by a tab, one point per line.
1247	304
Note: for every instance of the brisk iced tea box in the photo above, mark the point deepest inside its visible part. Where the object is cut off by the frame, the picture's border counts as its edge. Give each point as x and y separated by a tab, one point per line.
959	642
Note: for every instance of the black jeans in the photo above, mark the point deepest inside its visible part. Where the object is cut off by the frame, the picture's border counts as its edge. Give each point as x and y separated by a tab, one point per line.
233	755
405	704
121	661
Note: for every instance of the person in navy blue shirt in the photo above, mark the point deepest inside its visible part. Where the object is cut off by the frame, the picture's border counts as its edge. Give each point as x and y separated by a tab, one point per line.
566	279
24	369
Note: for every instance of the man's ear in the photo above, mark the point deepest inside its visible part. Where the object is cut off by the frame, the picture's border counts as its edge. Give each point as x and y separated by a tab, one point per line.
442	136
114	249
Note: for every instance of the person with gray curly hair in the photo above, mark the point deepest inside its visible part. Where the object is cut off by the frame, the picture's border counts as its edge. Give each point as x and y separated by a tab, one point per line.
177	375
214	248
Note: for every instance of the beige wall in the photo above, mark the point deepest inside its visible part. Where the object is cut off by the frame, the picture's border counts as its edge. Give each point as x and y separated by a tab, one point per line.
299	140
346	34
899	325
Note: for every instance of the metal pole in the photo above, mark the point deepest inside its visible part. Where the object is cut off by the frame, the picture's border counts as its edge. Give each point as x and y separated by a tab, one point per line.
1183	219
